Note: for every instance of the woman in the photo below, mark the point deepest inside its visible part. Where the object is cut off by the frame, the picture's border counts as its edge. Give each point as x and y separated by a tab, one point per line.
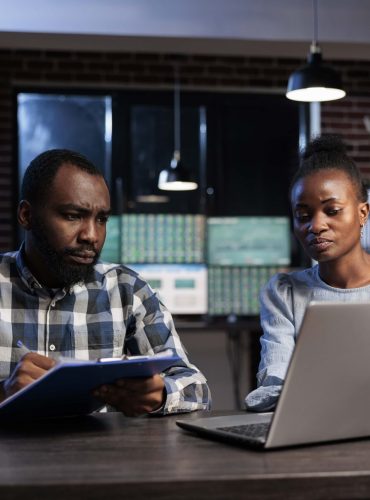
330	208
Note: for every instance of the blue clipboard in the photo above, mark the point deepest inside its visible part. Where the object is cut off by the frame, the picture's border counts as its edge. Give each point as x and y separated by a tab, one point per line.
66	389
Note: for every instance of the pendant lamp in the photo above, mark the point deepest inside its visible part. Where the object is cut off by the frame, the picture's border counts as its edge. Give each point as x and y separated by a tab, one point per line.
315	82
176	177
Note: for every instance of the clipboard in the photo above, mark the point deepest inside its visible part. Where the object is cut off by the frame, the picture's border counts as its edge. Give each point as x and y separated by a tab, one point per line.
66	389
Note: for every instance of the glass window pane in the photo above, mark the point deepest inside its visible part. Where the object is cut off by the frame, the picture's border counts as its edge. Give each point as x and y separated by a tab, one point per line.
152	147
78	122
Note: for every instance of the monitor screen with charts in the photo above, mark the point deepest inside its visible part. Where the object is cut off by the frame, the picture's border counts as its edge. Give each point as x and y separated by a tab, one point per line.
248	241
234	290
155	239
181	287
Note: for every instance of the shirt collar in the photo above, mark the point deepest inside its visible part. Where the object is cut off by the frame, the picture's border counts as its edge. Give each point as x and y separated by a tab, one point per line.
26	275
29	279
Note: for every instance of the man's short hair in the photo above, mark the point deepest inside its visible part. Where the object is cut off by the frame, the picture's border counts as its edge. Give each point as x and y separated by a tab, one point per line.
40	173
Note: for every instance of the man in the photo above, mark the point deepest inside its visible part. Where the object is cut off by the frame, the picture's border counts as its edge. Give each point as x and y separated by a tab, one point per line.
57	298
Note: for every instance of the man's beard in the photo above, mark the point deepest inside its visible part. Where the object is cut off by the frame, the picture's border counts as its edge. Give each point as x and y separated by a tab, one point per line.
66	274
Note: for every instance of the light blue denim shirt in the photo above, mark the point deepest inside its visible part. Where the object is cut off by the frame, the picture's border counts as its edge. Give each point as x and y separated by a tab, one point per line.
283	302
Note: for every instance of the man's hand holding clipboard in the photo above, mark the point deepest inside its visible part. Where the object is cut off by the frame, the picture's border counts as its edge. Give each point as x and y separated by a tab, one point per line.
133	385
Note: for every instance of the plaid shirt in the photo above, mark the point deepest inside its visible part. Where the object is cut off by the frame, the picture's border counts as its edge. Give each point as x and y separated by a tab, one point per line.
115	313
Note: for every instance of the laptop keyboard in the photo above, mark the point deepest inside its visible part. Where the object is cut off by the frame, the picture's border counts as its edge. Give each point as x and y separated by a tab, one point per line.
253	432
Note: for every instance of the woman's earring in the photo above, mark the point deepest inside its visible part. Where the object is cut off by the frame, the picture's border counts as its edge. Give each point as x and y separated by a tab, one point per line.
361	230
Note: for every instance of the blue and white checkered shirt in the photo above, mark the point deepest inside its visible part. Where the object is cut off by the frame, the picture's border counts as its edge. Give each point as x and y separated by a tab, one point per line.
114	313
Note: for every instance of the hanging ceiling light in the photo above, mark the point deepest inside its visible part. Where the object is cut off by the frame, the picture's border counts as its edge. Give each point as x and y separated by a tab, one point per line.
176	177
315	82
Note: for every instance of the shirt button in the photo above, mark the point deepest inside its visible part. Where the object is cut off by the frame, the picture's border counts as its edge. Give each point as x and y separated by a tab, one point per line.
52	347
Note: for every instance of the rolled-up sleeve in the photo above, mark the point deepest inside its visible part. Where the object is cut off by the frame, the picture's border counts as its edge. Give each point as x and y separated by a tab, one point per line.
152	330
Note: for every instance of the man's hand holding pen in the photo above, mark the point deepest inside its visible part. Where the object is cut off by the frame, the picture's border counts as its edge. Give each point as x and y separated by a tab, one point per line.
131	396
30	367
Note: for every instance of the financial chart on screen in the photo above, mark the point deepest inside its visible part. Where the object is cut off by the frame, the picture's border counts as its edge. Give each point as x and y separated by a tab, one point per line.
181	287
213	266
155	239
248	241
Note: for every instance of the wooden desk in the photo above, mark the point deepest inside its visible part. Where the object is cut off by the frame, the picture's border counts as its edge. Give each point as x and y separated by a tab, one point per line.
111	457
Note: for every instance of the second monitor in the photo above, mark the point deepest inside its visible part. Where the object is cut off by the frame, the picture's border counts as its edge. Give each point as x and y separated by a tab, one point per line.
248	241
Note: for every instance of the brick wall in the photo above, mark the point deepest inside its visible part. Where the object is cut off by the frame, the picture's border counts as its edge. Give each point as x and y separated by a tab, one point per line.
111	70
346	117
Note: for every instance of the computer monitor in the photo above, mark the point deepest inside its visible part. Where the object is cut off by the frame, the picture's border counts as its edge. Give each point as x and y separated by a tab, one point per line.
235	290
248	241
181	287
162	238
112	247
155	239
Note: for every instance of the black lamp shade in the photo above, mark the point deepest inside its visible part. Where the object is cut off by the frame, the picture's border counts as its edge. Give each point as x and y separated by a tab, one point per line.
315	82
176	177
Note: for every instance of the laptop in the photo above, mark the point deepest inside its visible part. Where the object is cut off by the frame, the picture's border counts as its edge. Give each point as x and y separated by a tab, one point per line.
326	394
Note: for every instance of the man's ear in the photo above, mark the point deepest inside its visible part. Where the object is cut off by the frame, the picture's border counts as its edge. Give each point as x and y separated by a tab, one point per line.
24	214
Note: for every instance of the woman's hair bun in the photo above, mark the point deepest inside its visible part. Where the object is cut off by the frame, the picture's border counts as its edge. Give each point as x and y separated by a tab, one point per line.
331	144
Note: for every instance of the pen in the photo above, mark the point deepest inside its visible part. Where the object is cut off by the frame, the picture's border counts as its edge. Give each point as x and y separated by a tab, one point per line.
23	349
